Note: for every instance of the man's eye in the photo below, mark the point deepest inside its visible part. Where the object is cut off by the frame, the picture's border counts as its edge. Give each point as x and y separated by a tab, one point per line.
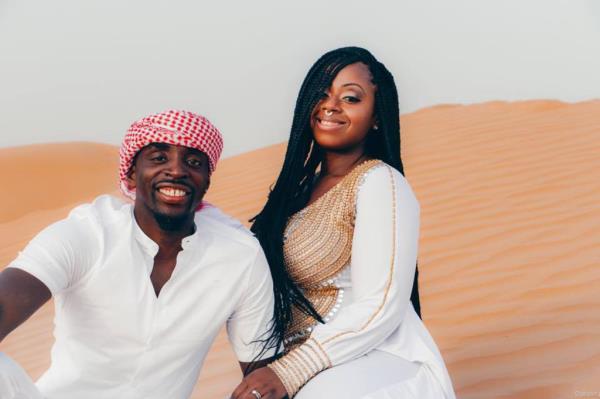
159	158
195	162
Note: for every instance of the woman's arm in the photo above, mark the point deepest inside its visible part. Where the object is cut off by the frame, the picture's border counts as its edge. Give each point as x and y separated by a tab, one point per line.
384	253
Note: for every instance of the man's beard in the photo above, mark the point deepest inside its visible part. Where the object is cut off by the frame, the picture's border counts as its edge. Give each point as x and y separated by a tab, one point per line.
170	223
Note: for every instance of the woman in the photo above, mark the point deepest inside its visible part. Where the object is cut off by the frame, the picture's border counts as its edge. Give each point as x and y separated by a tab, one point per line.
340	230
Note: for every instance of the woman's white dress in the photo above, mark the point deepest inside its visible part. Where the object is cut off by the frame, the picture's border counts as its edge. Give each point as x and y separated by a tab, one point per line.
353	251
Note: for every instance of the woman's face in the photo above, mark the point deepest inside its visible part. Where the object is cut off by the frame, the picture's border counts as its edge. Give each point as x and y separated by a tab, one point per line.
346	114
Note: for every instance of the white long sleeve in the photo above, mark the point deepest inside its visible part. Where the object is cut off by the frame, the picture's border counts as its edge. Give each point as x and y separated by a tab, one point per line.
384	252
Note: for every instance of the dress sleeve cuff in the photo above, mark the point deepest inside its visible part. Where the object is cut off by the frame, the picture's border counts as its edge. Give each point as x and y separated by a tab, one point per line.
299	365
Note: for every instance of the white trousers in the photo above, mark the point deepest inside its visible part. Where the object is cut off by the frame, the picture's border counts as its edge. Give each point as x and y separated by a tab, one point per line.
377	375
14	381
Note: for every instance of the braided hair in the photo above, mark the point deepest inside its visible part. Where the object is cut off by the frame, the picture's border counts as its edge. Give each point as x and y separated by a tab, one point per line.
292	189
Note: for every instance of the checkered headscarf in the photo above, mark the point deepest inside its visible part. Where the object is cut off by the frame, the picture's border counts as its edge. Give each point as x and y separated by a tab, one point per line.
171	127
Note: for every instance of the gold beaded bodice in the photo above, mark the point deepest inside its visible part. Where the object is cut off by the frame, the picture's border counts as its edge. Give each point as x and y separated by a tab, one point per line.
317	247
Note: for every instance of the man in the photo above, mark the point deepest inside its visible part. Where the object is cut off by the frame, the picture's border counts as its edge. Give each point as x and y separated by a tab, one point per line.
141	291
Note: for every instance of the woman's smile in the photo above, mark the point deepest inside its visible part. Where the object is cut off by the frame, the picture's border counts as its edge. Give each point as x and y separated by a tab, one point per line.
328	123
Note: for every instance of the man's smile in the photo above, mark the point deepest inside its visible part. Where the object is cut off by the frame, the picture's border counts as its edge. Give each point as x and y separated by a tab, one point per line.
173	193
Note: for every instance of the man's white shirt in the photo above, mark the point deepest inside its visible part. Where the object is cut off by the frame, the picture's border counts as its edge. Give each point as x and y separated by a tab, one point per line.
114	338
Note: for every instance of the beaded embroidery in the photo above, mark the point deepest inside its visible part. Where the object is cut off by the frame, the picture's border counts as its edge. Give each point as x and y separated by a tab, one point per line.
318	246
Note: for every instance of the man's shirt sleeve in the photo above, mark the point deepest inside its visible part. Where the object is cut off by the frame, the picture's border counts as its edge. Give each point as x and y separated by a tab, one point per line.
250	324
61	254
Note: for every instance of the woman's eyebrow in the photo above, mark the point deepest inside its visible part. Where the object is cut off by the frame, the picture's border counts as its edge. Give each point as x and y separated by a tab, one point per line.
354	84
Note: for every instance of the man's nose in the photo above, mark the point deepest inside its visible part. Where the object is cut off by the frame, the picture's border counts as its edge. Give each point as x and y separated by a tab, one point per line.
177	167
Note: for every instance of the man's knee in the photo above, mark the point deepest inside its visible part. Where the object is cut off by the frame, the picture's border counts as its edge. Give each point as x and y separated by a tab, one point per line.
6	364
14	381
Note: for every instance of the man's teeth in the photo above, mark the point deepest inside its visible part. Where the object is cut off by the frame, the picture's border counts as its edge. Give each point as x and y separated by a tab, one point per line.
172	192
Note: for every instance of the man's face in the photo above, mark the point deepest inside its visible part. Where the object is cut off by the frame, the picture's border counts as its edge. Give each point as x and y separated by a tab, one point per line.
169	181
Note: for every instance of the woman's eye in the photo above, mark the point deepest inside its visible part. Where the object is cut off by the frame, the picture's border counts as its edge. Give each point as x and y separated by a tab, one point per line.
352	99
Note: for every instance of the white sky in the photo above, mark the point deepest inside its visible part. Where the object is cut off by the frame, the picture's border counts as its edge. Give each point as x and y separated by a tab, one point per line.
73	70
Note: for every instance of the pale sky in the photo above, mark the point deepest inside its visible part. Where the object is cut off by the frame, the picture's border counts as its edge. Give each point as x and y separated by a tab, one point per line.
84	70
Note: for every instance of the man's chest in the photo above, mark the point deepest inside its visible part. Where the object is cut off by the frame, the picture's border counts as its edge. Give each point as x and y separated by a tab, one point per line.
161	272
118	302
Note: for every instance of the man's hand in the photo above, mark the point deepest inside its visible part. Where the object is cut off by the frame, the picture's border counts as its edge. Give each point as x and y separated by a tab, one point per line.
264	381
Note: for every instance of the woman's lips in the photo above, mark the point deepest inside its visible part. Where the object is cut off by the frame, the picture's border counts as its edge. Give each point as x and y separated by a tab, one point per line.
329	124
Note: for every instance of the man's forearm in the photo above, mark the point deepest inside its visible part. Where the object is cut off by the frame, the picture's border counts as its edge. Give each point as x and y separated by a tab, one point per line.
21	294
3	333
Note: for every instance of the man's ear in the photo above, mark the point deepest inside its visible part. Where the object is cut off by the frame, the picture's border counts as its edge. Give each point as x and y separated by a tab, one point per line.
207	186
131	178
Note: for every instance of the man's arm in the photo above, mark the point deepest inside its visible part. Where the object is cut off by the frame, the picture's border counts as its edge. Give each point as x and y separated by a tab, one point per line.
21	295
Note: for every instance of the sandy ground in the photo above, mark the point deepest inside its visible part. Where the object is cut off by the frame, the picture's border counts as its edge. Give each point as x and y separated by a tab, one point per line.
509	250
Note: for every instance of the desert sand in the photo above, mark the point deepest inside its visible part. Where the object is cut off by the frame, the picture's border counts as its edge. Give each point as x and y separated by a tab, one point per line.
509	252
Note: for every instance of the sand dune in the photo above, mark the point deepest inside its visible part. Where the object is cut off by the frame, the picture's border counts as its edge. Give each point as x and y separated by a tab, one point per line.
509	247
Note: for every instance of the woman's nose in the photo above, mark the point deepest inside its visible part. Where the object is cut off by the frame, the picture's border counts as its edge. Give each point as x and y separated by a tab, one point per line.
330	103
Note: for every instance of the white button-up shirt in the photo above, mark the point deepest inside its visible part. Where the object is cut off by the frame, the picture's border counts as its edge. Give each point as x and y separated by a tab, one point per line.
114	337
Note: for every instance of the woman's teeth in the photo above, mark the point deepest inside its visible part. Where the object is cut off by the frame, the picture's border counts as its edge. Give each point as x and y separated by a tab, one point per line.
172	192
329	123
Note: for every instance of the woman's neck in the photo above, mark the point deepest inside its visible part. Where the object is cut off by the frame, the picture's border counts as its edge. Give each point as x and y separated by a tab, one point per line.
338	165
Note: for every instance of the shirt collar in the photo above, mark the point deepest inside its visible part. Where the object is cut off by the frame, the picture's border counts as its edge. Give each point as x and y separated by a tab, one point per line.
152	247
146	242
189	240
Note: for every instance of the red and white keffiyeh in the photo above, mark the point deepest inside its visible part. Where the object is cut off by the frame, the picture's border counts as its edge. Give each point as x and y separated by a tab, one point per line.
171	127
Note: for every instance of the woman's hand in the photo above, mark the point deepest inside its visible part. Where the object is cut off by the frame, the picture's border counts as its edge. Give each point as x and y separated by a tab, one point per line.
264	381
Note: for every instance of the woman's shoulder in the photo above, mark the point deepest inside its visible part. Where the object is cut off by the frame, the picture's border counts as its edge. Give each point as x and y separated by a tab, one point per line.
381	178
379	173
